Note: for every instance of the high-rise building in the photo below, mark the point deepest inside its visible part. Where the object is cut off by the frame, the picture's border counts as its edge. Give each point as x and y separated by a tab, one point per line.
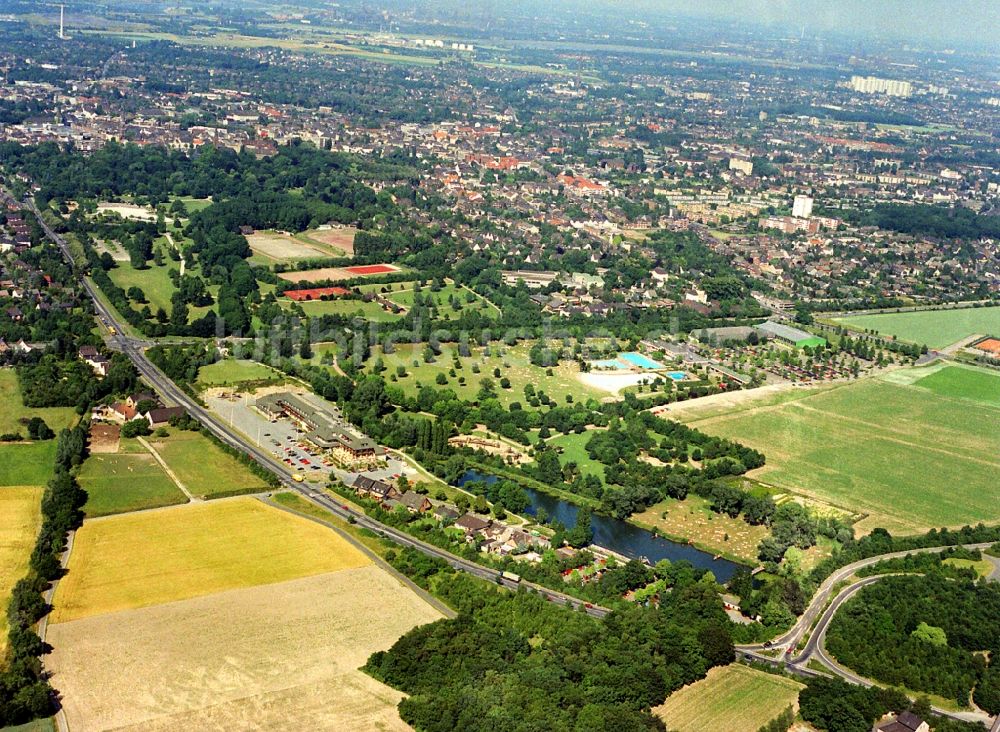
802	208
875	85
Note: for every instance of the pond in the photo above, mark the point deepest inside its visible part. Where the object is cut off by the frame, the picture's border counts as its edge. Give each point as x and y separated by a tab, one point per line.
620	536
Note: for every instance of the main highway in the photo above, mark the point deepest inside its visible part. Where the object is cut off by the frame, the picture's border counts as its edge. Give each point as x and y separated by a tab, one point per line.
168	390
820	606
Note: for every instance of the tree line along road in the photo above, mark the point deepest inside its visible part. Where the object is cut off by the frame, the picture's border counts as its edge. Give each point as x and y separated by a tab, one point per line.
133	348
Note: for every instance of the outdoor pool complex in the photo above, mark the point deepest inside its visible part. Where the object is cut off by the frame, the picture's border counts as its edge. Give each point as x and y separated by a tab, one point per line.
632	360
637	359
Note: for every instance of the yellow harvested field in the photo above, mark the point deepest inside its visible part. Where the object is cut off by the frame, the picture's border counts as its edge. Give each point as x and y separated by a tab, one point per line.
20	519
733	697
281	656
141	559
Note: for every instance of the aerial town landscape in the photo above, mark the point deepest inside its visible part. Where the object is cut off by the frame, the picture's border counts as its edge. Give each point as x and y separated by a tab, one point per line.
438	365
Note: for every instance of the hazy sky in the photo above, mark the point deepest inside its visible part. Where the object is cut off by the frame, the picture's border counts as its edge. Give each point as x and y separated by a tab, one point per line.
941	21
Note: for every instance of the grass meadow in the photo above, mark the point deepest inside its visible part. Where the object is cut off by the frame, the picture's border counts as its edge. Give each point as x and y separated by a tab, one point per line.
231	371
731	697
512	361
202	466
908	457
142	559
118	483
13	410
27	463
935	328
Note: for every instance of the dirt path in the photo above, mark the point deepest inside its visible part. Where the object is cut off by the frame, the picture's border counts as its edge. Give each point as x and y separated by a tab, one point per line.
167	470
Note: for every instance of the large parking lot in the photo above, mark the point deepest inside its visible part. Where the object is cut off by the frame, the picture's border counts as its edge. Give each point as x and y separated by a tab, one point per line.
281	437
284	440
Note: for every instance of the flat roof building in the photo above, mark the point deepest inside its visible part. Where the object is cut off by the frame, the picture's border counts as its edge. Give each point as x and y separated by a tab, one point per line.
326	428
794	336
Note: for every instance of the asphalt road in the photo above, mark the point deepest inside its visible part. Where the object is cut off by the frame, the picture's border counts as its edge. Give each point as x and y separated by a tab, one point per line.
167	389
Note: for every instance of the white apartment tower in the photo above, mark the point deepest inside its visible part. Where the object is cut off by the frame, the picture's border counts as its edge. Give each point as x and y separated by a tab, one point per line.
802	208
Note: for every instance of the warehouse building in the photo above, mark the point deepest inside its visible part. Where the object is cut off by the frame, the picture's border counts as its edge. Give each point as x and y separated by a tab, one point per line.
792	336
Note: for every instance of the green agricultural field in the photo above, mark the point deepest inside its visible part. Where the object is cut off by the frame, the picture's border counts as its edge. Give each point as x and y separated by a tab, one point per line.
231	371
935	328
908	457
202	466
29	463
729	698
133	481
13	410
964	383
512	361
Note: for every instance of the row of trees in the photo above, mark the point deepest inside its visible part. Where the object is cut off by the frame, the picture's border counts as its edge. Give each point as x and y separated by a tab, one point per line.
25	693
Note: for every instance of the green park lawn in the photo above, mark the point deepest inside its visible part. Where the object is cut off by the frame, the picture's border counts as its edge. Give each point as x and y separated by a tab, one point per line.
129	481
230	371
909	458
154	282
12	409
202	466
29	463
350	308
512	361
935	328
193	204
443	299
574	451
964	383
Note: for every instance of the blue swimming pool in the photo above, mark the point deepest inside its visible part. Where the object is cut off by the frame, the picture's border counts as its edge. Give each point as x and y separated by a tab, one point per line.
609	364
676	375
637	359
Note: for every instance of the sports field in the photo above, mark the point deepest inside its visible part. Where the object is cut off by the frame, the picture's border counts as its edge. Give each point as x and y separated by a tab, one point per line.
935	328
338	273
909	457
20	519
232	371
117	483
731	697
142	559
12	409
27	463
202	466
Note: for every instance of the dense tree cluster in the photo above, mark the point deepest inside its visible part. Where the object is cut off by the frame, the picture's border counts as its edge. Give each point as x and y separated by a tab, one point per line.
921	632
511	661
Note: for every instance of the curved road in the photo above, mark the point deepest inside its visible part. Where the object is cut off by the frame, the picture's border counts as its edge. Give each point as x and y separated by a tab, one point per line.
787	642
